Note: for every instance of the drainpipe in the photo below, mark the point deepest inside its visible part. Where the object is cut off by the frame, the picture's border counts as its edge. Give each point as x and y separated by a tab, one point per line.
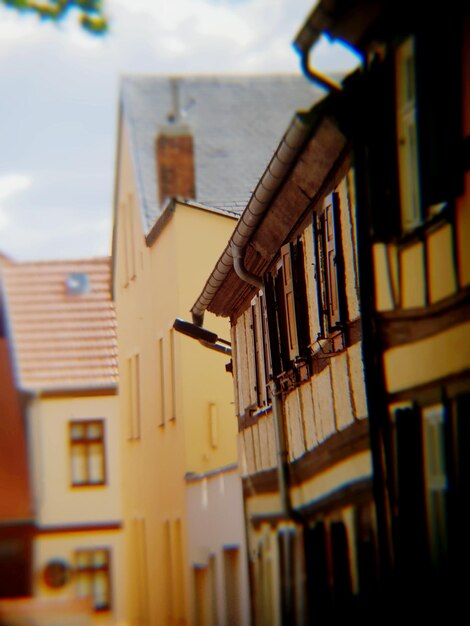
238	255
281	451
315	76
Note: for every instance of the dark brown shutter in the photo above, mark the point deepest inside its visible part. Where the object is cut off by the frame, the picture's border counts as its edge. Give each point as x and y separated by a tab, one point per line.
412	526
457	423
318	585
334	261
439	104
256	353
320	275
272	325
286	540
301	304
370	111
342	587
282	320
268	368
289	301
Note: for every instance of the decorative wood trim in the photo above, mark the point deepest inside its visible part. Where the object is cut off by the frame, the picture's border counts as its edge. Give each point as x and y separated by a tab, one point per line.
79	393
77	528
409	325
353	331
353	494
260	483
337	448
432	392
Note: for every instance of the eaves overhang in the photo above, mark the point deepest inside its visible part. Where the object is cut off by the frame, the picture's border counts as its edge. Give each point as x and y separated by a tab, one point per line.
345	20
286	198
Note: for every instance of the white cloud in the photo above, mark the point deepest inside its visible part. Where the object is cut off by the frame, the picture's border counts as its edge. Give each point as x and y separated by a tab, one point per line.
13	183
10	185
59	101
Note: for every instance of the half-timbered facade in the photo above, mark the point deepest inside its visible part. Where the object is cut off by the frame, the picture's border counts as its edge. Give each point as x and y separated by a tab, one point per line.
298	377
407	114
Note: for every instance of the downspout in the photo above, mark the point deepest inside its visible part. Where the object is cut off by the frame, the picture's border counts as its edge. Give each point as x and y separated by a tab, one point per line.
238	255
315	76
281	451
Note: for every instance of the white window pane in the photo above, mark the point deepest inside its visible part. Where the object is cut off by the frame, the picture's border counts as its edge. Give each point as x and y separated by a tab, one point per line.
84	586
101	590
77	431
96	463
79	465
95	431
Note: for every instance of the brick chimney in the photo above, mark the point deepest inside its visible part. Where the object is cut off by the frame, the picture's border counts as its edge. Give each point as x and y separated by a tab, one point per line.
174	154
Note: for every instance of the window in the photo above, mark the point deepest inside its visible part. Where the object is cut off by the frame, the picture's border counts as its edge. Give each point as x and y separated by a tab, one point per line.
407	136
261	352
133	372
92	574
286	317
87	453
330	265
435	479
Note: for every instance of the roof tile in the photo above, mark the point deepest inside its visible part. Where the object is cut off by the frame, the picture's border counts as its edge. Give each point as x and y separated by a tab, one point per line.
61	340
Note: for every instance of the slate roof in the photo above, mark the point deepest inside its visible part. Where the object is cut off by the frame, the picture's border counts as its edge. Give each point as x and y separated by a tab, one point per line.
237	123
61	341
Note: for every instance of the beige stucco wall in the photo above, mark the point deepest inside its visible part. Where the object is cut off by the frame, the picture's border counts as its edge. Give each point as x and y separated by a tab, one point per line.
182	434
215	507
429	359
62	546
57	503
64	512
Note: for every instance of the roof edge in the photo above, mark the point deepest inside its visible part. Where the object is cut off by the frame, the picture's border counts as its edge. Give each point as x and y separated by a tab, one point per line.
291	145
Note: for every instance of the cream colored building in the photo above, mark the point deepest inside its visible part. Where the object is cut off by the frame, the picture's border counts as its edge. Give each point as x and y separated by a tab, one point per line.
187	153
62	330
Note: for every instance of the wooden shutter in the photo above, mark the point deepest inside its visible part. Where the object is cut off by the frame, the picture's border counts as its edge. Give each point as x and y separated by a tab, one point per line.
289	301
287	572
412	527
318	585
258	338
251	357
268	368
370	111
282	320
272	324
320	271
439	103
301	304
336	289
342	587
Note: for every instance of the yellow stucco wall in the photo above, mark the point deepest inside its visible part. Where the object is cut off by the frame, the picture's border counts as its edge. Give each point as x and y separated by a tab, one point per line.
62	546
57	503
429	359
63	511
183	433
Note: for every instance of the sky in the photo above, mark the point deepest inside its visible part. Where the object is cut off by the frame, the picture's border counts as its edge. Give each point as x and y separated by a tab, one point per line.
59	90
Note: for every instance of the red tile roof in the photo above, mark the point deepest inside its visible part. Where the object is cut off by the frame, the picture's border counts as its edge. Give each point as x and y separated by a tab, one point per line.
61	340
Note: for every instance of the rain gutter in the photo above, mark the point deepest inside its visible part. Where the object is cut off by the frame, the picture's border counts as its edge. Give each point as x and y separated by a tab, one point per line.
234	254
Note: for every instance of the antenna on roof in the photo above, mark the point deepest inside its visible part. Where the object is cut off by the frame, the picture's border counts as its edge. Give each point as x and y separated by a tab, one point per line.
77	283
175	113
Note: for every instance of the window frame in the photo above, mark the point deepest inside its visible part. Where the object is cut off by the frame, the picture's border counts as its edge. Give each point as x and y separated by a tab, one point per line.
91	572
87	442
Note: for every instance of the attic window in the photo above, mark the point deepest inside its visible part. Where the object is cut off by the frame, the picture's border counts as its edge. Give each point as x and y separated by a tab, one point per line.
77	283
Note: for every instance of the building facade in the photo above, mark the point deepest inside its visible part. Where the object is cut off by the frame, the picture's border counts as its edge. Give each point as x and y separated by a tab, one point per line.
62	331
410	139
